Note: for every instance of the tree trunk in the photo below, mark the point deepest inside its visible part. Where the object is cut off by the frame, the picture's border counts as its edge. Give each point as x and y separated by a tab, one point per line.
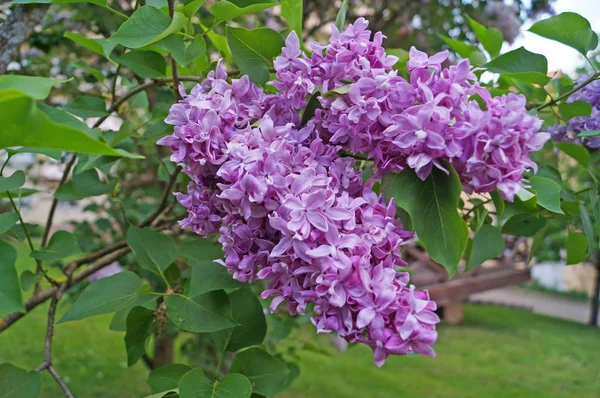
596	297
163	351
15	30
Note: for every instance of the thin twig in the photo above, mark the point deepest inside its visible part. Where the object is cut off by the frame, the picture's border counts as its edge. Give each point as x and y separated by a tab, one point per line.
163	201
174	70
568	93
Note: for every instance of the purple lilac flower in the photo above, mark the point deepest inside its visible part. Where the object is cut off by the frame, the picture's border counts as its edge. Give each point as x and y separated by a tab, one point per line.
110	270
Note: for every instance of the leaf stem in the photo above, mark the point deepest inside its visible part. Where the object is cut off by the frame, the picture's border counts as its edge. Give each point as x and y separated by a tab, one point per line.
568	93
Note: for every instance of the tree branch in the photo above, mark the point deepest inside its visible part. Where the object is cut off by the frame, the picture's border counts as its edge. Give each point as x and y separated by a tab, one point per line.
568	93
15	30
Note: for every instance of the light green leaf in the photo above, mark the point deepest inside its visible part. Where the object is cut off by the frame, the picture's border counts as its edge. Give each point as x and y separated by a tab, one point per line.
206	313
465	50
267	374
548	193
146	64
432	205
167	377
498	202
223	10
118	322
101	46
86	106
140	325
7	220
253	50
521	64
248	312
487	244
147	25
18	383
191	8
291	11
589	133
536	244
491	39
194	384
577	246
16	180
575	151
36	87
153	251
184	52
568	28
18	193
84	66
105	296
62	244
340	18
523	224
569	110
10	288
587	226
83	185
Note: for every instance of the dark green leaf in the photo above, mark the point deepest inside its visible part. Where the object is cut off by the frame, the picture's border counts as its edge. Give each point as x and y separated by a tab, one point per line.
167	377
267	374
16	180
487	243
36	87
569	110
498	202
432	205
144	63
340	18
311	108
521	64
7	220
206	313
523	224
62	244
184	52
223	10
191	8
548	193
84	66
588	228
491	39
253	50
119	320
153	251
568	28
577	246
147	25
194	384
97	2
104	296
10	288
18	383
101	46
536	244
291	11
140	325
85	106
248	312
576	151
28	279
465	50
83	185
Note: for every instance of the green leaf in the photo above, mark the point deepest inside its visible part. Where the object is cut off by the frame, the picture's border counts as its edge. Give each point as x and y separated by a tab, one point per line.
85	106
105	296
220	43
253	50
487	243
153	251
568	28
7	220
569	110
589	133
291	11
16	180
84	66
118	322
62	244
587	226
248	312
184	52
340	18
10	288
28	279
548	193
36	87
521	64
147	25
140	325
191	8
97	2
311	108
101	46
194	384
577	246
18	193
146	64
267	374
491	39
223	10
19	383
536	244
465	50
498	202
575	151
523	224
167	377
83	185
432	206
206	313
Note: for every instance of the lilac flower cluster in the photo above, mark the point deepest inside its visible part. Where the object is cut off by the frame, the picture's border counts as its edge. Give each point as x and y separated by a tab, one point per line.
291	210
421	123
579	124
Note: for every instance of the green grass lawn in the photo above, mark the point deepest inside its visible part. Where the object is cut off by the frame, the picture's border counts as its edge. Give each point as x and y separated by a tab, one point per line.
495	352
